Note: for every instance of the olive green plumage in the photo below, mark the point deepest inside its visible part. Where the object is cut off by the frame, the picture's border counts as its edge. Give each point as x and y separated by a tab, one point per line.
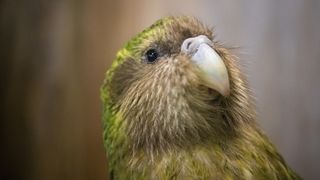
161	122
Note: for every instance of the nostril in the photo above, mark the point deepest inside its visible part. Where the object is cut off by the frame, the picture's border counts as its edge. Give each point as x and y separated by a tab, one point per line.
188	45
191	45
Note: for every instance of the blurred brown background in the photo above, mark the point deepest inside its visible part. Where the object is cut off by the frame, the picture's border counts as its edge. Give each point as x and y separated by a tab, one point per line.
54	54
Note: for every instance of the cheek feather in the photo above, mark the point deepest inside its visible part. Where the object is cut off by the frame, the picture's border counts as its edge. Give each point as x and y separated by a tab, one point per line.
167	108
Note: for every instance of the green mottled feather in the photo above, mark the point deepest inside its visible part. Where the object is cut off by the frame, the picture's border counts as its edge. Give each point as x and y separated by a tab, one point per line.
114	136
233	146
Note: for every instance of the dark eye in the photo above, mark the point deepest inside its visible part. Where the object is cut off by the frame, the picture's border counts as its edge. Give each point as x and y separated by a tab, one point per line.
151	55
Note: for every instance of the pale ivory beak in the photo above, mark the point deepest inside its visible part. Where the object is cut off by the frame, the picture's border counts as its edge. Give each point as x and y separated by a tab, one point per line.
214	71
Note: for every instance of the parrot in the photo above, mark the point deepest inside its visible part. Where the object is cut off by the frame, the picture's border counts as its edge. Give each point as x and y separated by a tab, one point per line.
176	105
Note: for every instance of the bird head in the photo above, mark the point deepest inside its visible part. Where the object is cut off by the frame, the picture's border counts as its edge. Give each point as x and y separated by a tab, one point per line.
173	86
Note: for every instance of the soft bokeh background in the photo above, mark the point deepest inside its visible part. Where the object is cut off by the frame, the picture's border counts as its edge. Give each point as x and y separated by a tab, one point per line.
54	54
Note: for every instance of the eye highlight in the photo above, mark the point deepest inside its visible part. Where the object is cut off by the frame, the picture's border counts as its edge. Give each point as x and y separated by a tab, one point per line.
151	55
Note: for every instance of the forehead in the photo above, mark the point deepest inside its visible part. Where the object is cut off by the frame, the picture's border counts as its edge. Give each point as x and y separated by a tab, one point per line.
169	32
181	28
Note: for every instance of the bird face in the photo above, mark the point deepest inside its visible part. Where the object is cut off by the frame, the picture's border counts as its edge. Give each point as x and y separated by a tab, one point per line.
166	82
